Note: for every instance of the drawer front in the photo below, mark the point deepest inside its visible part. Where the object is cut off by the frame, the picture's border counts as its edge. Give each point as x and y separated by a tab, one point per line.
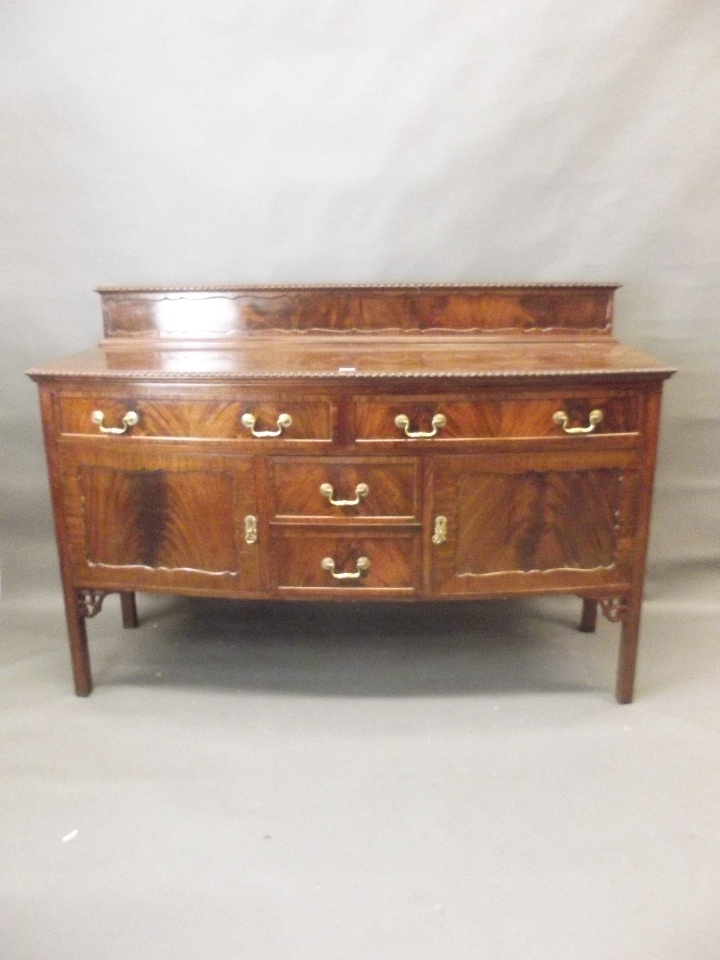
197	419
439	419
364	563
343	490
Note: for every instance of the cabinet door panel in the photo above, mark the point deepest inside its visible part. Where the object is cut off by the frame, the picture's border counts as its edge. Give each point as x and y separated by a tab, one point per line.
160	520
171	518
519	521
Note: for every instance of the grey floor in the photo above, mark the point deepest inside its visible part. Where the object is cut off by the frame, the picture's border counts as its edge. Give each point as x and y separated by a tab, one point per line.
327	782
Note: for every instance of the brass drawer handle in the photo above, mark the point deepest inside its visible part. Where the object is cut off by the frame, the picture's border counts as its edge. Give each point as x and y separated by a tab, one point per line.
361	490
362	564
249	421
562	420
440	535
251	533
403	423
130	419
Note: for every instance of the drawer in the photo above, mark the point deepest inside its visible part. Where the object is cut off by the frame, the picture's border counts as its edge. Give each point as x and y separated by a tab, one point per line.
368	562
343	490
138	416
441	418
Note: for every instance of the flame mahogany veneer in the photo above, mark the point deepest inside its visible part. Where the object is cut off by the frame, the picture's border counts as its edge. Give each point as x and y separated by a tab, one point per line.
353	443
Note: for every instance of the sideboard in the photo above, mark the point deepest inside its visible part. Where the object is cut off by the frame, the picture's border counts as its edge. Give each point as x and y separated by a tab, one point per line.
354	443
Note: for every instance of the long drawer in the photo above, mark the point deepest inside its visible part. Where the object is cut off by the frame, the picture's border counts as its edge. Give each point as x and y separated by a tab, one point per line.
446	418
257	420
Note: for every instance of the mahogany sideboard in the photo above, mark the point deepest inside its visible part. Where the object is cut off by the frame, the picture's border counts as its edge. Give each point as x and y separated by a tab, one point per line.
354	443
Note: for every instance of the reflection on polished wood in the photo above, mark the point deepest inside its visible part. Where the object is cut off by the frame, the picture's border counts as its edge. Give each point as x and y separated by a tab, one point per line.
279	358
354	443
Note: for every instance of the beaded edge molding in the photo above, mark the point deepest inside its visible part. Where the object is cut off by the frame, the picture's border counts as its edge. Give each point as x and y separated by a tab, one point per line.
335	375
225	287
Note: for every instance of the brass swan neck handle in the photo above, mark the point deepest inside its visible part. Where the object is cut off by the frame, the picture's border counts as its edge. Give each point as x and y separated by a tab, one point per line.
248	420
362	565
361	490
402	422
130	419
562	419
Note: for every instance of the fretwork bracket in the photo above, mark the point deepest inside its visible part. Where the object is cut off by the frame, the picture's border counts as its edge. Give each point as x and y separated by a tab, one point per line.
90	602
614	608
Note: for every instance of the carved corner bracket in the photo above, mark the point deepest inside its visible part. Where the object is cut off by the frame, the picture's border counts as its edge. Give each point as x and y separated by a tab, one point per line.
614	608
90	601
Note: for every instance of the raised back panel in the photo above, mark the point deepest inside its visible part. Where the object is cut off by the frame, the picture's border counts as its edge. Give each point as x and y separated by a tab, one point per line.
231	313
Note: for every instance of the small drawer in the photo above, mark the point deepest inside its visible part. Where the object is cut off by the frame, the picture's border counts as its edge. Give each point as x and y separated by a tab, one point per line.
343	490
437	420
254	420
311	560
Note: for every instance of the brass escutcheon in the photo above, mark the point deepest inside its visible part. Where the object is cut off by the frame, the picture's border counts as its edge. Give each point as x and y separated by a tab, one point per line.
440	535
251	533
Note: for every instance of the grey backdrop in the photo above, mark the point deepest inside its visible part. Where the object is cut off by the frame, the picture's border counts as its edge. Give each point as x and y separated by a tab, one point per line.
311	792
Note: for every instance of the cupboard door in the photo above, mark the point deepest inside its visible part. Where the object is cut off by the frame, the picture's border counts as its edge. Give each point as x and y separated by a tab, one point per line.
518	522
160	520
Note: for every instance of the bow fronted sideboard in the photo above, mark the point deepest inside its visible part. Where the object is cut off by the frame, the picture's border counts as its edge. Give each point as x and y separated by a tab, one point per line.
354	443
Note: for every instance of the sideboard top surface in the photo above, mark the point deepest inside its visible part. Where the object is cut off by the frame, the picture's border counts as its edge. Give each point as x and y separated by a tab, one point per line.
278	359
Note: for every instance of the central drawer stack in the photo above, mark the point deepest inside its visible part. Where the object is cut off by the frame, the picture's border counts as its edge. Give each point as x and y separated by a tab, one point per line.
351	524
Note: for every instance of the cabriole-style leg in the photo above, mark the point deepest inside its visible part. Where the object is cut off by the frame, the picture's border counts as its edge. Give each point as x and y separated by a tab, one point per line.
588	619
129	609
